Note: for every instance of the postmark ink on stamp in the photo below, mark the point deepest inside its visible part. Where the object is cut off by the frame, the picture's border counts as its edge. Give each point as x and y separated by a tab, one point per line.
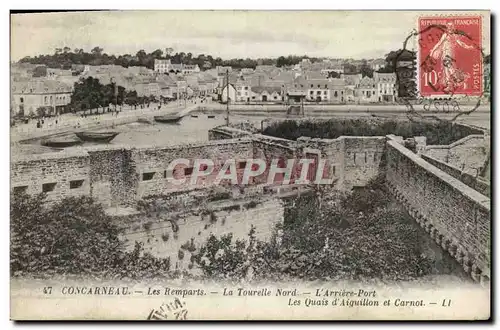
450	55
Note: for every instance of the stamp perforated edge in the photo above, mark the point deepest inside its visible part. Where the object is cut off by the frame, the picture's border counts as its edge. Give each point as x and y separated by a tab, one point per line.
465	14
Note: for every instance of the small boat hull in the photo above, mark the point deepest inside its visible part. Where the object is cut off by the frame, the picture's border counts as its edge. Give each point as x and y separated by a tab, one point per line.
168	119
211	116
144	121
61	142
97	136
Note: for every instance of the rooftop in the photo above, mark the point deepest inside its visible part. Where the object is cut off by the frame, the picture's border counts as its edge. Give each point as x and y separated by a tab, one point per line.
40	86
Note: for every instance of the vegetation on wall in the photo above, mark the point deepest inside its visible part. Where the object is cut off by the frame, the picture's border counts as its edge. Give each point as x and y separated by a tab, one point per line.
358	236
325	236
437	133
73	237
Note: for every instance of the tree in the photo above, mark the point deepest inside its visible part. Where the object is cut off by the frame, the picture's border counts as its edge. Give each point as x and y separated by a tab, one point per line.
97	50
90	93
41	112
168	51
366	71
281	61
157	53
333	74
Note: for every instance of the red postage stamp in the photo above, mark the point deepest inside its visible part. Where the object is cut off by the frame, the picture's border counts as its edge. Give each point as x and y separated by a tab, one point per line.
450	56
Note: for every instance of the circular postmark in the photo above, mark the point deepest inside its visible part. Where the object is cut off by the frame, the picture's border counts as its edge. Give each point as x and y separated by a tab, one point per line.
445	74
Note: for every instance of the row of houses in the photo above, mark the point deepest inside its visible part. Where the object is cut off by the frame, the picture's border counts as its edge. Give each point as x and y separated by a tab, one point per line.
52	90
348	88
35	86
166	66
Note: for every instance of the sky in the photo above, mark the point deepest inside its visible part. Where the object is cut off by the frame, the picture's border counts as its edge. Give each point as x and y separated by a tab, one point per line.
225	34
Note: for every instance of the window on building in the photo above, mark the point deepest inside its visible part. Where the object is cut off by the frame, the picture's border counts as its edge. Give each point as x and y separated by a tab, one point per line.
324	92
311	92
319	86
148	176
312	85
296	85
20	189
326	86
242	165
188	171
275	97
246	88
301	86
203	167
342	93
75	184
363	92
21	99
335	94
48	187
318	93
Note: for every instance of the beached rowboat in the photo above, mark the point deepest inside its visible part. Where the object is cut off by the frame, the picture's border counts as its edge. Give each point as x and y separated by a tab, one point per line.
62	142
97	136
168	118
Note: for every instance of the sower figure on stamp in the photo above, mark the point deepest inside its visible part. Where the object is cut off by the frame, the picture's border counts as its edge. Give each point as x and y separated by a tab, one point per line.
444	51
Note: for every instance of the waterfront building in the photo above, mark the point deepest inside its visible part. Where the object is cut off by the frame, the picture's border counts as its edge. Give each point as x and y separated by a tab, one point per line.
51	95
386	86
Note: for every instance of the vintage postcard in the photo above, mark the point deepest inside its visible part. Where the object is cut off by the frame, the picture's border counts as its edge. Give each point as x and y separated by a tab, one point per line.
250	165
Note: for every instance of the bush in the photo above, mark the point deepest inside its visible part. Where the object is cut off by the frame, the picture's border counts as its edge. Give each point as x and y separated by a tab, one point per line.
74	237
354	237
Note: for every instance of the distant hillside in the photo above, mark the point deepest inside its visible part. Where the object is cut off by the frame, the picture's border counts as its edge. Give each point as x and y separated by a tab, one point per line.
64	58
